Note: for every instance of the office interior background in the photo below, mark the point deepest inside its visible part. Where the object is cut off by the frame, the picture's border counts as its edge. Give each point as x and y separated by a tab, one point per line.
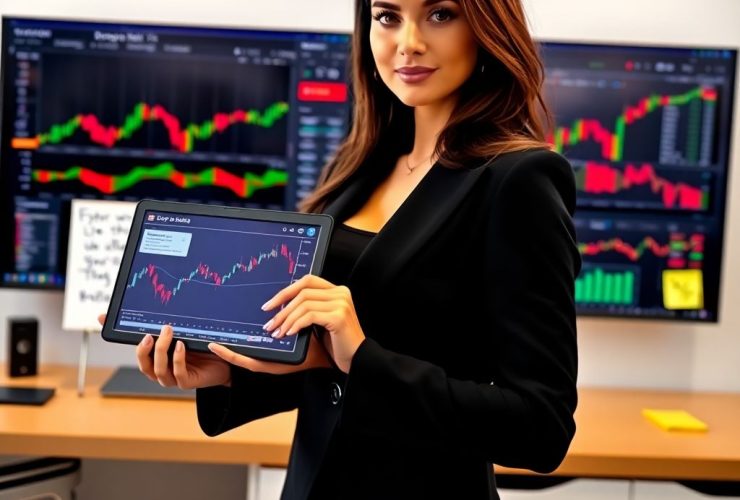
613	352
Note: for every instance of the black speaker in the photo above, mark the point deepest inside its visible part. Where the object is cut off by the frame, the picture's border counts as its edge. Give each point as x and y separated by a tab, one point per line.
23	346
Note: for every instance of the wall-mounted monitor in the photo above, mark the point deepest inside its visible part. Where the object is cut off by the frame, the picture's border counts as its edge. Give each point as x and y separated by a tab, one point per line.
130	111
647	130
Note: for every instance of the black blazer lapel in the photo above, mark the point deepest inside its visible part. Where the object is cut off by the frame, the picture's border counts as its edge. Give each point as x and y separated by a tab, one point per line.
428	206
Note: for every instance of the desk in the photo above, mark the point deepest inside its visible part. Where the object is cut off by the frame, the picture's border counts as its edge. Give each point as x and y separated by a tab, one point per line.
613	438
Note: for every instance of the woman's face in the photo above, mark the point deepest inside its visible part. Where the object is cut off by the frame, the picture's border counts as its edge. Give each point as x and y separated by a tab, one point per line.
424	49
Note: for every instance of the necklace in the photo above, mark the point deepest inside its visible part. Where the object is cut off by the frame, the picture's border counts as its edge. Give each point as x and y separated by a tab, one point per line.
410	168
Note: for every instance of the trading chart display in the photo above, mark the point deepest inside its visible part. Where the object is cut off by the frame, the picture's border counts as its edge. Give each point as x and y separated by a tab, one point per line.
213	292
97	110
647	130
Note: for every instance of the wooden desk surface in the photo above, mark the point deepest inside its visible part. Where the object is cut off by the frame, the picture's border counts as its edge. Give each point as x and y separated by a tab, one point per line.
125	428
613	438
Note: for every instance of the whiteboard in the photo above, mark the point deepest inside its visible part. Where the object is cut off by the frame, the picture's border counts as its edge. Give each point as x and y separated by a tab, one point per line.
98	230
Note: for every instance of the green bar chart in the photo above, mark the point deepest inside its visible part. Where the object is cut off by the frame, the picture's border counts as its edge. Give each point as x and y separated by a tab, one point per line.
607	286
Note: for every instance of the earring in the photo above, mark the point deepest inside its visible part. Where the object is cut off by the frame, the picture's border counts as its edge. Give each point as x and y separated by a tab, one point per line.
375	74
482	68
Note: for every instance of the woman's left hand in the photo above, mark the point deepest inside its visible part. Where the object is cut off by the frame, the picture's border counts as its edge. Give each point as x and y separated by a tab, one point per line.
314	301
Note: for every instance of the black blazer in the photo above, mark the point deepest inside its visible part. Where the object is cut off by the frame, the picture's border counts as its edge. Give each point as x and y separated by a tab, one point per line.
466	297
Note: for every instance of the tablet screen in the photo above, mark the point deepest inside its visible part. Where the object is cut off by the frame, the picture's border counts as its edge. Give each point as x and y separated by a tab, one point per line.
208	276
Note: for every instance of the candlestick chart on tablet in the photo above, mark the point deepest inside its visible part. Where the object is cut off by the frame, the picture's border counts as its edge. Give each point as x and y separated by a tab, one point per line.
208	276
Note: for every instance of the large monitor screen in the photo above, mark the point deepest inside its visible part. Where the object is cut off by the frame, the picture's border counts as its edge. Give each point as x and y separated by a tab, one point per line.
647	130
132	111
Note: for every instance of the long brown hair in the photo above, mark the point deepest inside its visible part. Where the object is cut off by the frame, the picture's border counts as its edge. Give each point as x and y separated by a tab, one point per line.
500	109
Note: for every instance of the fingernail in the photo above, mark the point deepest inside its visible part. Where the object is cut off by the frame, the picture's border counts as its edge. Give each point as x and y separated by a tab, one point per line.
276	333
147	340
180	346
212	347
168	328
268	324
266	305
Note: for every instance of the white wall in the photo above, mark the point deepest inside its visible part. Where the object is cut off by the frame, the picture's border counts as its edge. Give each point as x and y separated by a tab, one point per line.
612	352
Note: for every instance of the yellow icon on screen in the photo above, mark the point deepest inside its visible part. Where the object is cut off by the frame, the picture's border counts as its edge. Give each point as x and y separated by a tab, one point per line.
683	289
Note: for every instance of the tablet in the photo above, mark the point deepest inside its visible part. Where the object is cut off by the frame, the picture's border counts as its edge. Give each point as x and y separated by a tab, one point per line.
206	270
35	396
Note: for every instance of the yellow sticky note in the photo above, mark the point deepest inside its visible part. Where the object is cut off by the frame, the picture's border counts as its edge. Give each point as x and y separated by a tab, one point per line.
674	420
683	289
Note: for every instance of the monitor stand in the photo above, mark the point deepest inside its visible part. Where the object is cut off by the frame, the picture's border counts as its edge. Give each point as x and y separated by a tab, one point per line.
129	382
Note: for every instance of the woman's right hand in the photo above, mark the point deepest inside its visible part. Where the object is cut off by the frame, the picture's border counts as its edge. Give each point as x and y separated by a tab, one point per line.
188	370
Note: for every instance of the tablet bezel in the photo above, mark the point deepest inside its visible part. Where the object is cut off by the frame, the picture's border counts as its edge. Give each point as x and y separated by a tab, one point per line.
298	355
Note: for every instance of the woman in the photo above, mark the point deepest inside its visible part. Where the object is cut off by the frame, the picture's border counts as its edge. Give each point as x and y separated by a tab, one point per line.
446	307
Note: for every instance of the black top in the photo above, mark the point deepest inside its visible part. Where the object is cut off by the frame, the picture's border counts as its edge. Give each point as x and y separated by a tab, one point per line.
346	246
466	299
